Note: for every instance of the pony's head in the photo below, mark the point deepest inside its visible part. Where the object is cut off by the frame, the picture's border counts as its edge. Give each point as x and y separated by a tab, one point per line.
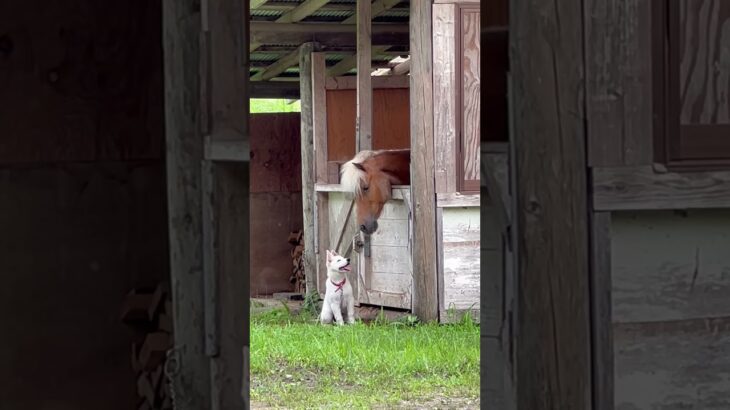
370	176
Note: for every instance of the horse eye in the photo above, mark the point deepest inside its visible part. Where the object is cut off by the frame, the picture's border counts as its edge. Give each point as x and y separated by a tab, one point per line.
365	188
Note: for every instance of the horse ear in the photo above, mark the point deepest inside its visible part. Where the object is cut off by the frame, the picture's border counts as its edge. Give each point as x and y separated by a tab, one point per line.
359	166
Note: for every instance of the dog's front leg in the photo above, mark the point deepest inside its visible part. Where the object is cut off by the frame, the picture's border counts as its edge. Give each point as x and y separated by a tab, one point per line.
351	310
337	311
326	316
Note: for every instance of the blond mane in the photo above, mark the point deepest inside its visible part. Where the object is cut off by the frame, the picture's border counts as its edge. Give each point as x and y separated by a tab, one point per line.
351	177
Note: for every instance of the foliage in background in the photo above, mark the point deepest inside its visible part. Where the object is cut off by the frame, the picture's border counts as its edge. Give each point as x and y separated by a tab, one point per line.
272	105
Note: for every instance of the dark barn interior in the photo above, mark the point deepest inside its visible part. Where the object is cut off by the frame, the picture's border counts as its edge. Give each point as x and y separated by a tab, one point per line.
83	206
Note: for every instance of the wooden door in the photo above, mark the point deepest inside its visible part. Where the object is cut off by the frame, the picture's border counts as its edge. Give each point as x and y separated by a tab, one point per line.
386	276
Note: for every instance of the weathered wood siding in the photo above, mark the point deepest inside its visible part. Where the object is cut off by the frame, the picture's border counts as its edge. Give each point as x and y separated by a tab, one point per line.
389	281
671	310
459	272
619	82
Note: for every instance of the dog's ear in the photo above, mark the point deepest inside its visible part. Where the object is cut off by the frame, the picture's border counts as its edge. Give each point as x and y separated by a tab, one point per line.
329	255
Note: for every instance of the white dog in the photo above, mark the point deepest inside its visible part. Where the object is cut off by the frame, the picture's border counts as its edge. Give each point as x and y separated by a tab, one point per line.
338	296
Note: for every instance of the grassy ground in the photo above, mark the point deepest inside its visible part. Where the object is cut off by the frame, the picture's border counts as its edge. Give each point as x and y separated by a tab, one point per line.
262	105
296	363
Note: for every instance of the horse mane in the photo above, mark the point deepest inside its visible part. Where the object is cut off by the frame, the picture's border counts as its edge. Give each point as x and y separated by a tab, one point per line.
351	177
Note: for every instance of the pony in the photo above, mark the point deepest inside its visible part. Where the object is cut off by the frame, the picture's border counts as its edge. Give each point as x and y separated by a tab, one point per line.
370	176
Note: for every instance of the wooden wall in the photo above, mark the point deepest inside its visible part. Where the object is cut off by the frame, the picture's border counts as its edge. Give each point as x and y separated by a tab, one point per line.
276	199
83	204
390	121
459	249
671	313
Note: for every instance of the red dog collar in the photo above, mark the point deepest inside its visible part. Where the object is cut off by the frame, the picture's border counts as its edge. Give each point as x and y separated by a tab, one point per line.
339	285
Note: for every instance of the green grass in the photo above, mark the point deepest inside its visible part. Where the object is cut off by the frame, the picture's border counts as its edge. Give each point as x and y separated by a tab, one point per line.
270	105
296	363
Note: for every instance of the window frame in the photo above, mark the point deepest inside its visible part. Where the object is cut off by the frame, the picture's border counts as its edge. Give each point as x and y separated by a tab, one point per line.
669	147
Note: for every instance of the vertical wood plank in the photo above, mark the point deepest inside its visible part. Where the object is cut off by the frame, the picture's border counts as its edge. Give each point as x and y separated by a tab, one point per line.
210	255
364	133
444	97
553	345
619	82
307	136
319	117
184	145
601	318
323	239
469	92
423	197
232	277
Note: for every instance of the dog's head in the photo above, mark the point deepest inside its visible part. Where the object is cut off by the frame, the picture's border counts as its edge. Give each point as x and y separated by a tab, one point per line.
336	262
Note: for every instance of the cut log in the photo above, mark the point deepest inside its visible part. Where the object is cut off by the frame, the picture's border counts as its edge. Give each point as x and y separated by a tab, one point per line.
154	350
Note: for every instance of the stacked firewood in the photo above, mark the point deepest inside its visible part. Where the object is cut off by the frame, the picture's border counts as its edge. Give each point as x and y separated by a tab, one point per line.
296	239
148	312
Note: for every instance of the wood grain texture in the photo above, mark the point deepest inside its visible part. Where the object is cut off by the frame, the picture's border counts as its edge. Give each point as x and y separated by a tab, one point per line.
461	258
364	122
323	239
228	369
445	97
704	71
350	82
635	188
553	306
423	197
307	156
495	180
601	318
457	200
184	154
671	365
670	266
619	82
469	93
319	114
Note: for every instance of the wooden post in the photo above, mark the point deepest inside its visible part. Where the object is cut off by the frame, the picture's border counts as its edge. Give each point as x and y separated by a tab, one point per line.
224	78
307	149
553	343
364	126
181	36
423	197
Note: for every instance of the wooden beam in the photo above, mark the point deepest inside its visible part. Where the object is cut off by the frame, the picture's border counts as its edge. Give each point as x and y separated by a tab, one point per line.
423	196
644	188
307	153
350	82
278	67
364	91
348	63
184	153
274	89
257	4
601	318
319	116
553	349
327	34
377	7
302	11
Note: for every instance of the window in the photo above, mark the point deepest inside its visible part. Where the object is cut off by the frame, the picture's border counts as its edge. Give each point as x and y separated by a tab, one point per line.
692	82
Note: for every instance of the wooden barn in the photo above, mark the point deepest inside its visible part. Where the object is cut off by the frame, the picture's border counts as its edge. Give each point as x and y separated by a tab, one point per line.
613	195
355	78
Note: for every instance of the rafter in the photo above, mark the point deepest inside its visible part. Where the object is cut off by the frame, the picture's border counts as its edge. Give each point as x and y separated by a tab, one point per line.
302	11
350	62
376	8
278	67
